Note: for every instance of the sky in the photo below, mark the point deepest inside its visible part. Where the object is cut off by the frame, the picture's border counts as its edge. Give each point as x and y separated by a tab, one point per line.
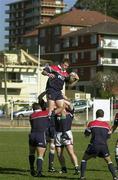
3	16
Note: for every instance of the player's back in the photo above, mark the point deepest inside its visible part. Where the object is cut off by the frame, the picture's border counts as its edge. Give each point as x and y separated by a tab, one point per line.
100	131
39	121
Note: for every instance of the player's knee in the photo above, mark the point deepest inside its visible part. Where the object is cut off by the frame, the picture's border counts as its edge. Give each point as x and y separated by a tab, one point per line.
52	147
59	155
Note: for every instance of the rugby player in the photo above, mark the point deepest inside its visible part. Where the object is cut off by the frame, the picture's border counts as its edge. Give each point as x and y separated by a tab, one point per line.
100	131
39	121
57	76
50	134
65	125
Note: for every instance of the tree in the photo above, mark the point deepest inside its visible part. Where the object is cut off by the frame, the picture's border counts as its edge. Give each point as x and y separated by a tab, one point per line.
108	7
105	82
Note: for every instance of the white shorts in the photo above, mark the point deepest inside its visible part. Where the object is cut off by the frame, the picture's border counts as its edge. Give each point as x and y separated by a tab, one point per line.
59	141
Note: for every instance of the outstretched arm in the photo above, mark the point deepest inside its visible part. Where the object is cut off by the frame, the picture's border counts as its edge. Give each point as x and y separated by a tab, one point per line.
40	97
73	79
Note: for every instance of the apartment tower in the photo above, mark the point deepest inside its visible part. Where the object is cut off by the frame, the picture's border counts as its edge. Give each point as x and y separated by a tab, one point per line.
25	15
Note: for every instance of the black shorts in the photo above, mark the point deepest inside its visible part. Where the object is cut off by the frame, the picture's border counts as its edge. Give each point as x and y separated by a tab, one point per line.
97	150
54	95
50	134
37	139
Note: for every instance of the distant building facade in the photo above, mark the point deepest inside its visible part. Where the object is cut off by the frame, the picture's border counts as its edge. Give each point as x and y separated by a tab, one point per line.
20	77
25	15
90	50
90	43
49	34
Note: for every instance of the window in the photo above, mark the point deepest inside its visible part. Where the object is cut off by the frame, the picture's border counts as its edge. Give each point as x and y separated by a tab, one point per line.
82	39
14	77
42	33
74	57
66	43
66	56
28	42
57	47
82	55
28	78
93	72
93	39
75	41
93	55
57	30
81	71
42	50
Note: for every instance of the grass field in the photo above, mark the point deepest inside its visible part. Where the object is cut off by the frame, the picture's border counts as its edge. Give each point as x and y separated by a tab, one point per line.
14	158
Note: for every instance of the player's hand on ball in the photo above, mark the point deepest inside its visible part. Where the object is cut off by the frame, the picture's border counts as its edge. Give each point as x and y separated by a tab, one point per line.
74	76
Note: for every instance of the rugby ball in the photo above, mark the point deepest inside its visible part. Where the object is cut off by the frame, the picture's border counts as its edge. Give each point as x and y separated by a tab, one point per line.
73	77
73	74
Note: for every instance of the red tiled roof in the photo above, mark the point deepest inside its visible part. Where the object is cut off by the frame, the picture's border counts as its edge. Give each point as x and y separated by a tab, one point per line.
101	28
78	17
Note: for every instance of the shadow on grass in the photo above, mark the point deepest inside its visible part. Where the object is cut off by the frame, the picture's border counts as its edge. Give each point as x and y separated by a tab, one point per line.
61	177
24	172
12	171
98	170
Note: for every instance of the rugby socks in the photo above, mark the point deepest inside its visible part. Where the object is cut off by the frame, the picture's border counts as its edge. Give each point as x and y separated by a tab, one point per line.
31	161
111	169
39	164
51	159
83	167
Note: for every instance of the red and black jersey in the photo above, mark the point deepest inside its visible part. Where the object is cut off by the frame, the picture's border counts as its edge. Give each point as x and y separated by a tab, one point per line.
39	121
62	125
99	130
60	77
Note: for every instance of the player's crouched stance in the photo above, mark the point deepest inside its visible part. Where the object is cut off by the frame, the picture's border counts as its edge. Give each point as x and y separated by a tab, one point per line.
100	132
39	121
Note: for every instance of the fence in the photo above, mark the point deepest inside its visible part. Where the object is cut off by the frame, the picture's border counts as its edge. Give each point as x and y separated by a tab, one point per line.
8	118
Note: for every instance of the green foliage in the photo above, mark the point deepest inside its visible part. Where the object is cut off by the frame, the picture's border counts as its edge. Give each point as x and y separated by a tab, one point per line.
108	7
105	94
105	82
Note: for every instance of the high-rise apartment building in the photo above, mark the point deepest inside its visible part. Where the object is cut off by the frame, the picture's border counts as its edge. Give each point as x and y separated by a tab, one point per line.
25	15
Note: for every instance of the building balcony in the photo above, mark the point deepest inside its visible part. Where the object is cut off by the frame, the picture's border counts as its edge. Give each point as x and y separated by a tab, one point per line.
7	11
10	28
13	85
7	20
47	13
51	4
108	61
29	24
109	44
6	36
6	45
22	68
30	6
